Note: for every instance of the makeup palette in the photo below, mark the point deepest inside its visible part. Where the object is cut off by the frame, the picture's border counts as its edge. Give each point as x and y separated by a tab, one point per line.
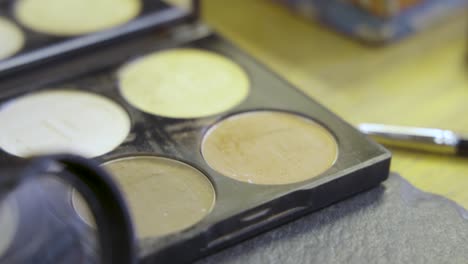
33	32
208	146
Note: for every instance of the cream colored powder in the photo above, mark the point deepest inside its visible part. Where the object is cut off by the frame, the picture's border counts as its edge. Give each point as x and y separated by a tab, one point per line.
183	83
11	38
266	147
9	218
164	195
62	121
75	17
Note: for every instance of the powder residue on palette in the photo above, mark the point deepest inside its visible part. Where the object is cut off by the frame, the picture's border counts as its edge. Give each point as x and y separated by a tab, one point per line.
11	38
75	17
183	83
267	147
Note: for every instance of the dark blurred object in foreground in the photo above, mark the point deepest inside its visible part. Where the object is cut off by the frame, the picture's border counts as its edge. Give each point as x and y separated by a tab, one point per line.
37	226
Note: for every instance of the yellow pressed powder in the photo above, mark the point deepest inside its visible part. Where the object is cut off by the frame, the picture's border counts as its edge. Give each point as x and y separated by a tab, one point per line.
164	195
55	121
183	83
268	147
11	38
74	17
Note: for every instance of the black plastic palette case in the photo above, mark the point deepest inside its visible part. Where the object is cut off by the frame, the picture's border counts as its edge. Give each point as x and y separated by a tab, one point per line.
34	32
208	146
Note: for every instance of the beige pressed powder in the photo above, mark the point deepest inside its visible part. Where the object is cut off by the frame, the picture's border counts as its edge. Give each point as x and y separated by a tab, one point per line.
55	121
268	147
164	195
183	83
74	17
11	38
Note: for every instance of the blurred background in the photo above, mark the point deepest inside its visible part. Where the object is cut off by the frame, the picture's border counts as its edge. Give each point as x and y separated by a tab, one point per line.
391	62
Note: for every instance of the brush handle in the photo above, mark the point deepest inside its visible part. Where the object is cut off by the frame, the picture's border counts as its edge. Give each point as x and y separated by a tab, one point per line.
422	139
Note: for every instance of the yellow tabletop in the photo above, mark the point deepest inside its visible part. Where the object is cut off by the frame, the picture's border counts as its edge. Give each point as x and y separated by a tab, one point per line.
421	81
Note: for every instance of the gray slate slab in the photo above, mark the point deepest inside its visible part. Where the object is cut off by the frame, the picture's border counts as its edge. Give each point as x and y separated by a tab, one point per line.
393	223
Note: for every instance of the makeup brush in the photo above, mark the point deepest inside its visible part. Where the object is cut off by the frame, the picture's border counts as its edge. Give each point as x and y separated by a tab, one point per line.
416	138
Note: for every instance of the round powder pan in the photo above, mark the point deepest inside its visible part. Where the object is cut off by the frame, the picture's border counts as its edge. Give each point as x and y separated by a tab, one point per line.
183	83
74	17
164	195
63	120
11	38
269	148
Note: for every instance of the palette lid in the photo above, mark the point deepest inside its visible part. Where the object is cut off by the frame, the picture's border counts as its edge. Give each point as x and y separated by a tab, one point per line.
40	48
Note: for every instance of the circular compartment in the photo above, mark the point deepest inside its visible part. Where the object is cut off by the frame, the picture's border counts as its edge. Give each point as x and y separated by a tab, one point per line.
269	147
11	38
164	195
55	121
183	83
75	17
